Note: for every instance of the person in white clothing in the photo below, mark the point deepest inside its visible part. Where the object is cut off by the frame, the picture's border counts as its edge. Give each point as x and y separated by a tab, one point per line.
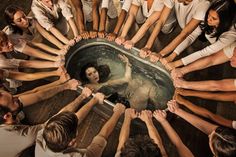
53	16
150	13
189	14
218	28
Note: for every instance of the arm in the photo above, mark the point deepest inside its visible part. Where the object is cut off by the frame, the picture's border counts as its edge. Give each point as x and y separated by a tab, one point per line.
48	36
95	14
174	137
132	13
58	35
37	53
197	122
125	129
103	18
32	98
73	27
204	112
211	85
224	40
220	96
146	116
48	48
215	59
160	23
188	29
83	112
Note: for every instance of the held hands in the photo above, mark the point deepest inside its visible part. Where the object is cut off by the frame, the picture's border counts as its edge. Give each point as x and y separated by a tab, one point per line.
144	52
160	115
173	106
145	116
120	40
131	114
93	34
111	36
86	92
177	73
101	34
128	44
73	84
99	97
119	108
154	57
84	34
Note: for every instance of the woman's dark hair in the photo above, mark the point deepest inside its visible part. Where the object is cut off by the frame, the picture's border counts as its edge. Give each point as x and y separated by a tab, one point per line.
9	16
224	142
140	146
103	71
226	10
60	130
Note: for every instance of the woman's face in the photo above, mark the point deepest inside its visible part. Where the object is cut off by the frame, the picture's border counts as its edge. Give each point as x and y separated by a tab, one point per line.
92	75
213	19
20	20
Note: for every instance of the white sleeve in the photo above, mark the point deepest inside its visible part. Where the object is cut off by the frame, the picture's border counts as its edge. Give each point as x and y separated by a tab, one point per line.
105	3
224	40
201	10
42	19
126	5
137	2
65	9
229	50
188	41
169	3
158	5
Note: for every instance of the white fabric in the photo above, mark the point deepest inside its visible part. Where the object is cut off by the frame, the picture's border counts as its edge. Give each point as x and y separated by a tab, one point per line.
8	63
126	5
234	124
229	50
224	40
156	6
57	17
109	4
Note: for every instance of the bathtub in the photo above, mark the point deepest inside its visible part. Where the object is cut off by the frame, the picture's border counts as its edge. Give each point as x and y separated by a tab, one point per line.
106	52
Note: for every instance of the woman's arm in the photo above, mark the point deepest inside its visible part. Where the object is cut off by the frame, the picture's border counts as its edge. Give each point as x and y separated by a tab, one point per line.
48	36
49	49
39	54
148	23
174	137
204	112
197	122
188	29
73	27
59	36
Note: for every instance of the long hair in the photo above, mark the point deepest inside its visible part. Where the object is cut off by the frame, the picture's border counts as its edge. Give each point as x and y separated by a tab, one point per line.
9	16
226	10
224	142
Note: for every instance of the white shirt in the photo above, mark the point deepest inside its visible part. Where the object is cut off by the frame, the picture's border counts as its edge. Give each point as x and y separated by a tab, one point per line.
126	5
156	6
48	18
224	40
229	50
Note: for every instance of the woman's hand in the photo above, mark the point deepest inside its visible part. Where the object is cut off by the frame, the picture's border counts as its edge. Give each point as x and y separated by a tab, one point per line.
120	40
111	36
128	44
146	116
154	57
173	106
160	115
144	52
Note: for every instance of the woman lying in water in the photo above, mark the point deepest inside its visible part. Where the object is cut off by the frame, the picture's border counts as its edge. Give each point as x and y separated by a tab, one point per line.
138	92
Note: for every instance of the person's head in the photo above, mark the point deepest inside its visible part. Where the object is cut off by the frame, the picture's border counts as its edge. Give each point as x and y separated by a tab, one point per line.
139	146
233	59
92	73
222	142
60	131
9	108
16	18
219	17
185	2
5	43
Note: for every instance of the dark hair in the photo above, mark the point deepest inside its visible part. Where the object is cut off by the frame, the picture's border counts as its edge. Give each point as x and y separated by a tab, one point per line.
3	110
103	71
140	146
3	37
9	16
226	10
60	130
224	142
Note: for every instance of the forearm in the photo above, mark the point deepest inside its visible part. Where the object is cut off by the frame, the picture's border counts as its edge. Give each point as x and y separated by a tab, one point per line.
46	48
154	34
37	53
37	64
48	36
124	133
58	35
197	122
73	27
103	18
120	21
83	112
73	106
95	15
128	71
44	94
211	85
127	25
80	14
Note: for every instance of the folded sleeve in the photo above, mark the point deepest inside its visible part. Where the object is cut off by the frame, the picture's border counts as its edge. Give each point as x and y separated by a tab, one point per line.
66	9
126	5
